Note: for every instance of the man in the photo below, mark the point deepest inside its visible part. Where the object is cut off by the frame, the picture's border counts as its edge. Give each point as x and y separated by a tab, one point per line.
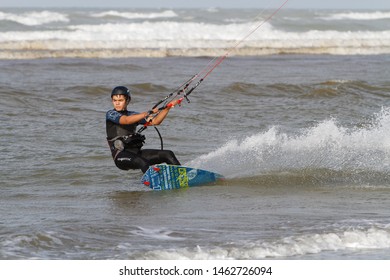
124	142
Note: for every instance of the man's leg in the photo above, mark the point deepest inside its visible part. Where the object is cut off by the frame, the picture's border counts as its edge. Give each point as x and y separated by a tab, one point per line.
128	160
155	156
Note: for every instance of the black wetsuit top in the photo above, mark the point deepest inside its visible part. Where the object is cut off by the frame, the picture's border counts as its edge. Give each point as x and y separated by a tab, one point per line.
125	144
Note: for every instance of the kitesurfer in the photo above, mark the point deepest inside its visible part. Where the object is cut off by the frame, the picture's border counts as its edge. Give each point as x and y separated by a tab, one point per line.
125	143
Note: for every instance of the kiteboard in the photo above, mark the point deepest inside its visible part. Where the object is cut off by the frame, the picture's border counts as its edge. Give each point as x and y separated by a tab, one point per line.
168	177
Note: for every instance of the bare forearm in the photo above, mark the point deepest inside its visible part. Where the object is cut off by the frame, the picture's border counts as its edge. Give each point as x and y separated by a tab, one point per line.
160	117
133	118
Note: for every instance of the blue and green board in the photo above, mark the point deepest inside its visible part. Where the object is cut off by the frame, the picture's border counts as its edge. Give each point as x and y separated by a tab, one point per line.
168	177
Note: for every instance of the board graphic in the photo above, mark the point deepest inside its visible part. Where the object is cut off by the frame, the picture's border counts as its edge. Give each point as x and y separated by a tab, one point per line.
168	177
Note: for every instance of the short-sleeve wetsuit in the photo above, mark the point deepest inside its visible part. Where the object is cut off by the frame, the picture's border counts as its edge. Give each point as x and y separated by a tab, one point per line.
125	144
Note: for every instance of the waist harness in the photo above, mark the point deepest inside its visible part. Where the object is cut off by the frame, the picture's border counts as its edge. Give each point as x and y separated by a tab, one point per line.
121	143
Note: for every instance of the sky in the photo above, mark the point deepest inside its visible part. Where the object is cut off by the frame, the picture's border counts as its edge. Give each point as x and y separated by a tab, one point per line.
301	4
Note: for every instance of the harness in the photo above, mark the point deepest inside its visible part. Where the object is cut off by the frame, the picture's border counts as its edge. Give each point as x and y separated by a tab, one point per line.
120	143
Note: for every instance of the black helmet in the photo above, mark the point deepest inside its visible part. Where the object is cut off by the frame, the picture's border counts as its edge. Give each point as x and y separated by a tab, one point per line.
121	90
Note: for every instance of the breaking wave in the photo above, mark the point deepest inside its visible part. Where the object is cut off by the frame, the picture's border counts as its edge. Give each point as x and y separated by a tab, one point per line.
307	245
34	18
161	33
136	15
378	15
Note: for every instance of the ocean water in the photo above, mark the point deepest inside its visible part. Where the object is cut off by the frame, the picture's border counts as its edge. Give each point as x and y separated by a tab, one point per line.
297	118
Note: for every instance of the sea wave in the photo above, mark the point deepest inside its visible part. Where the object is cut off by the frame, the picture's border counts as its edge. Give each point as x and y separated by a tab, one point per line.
173	39
355	238
34	18
136	15
378	15
160	33
348	238
17	245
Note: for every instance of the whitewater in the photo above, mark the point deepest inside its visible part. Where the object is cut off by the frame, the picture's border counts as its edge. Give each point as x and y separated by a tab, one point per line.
28	34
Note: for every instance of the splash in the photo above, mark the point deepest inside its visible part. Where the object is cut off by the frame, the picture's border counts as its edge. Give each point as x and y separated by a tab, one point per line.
325	146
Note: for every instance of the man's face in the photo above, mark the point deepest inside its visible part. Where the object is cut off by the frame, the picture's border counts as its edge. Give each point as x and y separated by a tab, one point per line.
119	102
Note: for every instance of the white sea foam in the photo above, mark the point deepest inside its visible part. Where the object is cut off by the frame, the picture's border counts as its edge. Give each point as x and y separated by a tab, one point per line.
163	36
186	33
175	33
34	18
137	15
301	245
378	15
